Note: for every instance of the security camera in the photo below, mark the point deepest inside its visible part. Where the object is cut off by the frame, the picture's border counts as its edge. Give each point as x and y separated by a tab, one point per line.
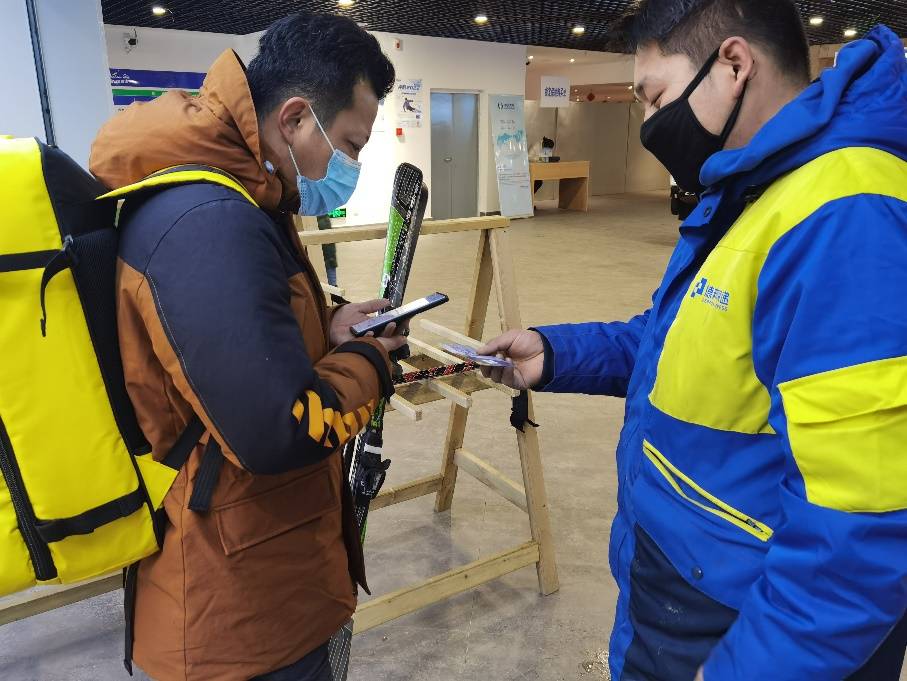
130	40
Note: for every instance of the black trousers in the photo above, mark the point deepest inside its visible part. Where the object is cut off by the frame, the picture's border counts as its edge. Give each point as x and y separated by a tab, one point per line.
672	645
313	667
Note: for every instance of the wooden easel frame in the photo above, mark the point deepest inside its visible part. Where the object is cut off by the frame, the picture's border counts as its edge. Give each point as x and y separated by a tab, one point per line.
493	269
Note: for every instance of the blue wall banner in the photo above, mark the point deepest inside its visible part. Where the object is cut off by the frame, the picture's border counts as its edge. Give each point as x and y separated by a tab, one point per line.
136	85
511	154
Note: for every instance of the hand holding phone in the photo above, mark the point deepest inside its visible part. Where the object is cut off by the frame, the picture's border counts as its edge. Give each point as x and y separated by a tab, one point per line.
398	316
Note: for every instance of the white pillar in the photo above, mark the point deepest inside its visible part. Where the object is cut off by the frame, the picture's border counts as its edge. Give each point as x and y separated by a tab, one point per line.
75	67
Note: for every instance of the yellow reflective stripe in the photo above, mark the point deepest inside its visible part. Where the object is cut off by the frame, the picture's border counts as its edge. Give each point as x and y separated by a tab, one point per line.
364	415
724	511
334	421
181	177
298	410
351	422
847	430
705	373
316	425
790	200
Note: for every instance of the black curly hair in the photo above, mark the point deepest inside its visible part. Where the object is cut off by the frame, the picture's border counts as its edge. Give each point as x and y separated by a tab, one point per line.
696	28
320	57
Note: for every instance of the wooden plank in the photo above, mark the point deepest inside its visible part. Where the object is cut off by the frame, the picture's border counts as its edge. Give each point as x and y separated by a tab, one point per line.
450	334
404	406
45	598
343	235
332	290
420	393
410	490
490	476
386	608
446	358
528	439
450	393
477	308
445	390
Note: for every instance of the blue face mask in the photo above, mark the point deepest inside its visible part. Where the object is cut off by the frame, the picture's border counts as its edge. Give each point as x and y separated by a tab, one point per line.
319	197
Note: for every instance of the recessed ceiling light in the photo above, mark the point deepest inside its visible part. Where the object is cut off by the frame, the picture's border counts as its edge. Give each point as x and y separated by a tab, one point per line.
346	3
850	32
629	87
572	60
158	11
481	19
531	57
816	21
579	30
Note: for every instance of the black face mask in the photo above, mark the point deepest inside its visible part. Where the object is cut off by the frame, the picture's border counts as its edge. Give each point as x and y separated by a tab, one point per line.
676	137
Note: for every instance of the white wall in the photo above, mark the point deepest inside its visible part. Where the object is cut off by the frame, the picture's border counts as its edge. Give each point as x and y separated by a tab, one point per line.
444	65
613	68
20	109
75	64
605	134
78	77
161	49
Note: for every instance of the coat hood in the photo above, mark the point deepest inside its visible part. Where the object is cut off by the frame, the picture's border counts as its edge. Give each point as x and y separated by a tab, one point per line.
218	128
862	101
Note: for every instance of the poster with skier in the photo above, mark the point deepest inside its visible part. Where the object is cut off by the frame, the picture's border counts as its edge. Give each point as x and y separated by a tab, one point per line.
410	103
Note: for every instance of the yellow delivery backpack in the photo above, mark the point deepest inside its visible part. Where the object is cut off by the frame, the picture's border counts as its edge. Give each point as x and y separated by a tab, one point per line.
79	489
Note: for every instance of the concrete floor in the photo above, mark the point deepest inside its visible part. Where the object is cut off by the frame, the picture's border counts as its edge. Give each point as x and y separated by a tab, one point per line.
571	267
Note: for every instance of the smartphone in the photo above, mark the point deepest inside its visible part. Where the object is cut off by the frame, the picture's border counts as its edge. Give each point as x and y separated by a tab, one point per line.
398	315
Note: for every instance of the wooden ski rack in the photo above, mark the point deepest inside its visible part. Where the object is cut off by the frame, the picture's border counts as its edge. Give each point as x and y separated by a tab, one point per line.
493	269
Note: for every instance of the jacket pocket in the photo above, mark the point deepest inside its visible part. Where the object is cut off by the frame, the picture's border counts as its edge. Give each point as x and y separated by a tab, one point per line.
696	495
245	523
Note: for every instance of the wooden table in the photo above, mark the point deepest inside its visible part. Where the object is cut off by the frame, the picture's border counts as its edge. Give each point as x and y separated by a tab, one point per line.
573	178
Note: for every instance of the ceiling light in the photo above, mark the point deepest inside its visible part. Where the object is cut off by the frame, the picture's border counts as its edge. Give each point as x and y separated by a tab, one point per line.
572	60
629	87
850	33
345	3
816	21
531	57
158	11
481	19
579	30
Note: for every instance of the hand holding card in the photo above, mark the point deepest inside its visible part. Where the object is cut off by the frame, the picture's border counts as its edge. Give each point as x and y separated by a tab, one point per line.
467	353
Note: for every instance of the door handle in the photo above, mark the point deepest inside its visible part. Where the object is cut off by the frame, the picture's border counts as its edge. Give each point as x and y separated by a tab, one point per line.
448	159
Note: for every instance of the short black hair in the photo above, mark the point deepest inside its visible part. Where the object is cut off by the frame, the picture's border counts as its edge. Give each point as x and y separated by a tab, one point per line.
697	28
320	57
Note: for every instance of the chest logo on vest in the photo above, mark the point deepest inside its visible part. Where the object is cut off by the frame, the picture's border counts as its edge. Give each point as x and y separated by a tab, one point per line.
711	295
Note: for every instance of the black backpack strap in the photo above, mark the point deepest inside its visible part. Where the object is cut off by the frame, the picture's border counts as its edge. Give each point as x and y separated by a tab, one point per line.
130	574
176	458
206	478
185	443
519	412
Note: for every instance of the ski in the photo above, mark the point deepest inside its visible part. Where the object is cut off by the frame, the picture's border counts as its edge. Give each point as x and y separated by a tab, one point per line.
367	469
363	455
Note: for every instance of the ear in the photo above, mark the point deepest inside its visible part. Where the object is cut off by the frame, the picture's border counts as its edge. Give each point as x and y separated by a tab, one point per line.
737	53
291	114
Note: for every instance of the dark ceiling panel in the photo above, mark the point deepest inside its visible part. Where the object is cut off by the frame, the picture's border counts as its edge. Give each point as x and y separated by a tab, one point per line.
524	22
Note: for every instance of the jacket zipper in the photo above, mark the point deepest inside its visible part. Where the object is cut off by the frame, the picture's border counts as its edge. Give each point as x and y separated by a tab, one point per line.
714	506
38	550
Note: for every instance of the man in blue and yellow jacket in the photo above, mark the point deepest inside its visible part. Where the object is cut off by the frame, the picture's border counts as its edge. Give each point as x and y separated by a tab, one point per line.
762	522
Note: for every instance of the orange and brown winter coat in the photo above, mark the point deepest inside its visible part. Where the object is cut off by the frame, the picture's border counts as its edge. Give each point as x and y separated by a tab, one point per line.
220	314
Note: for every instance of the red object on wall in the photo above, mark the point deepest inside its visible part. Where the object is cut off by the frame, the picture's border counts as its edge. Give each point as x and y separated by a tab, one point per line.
399	132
